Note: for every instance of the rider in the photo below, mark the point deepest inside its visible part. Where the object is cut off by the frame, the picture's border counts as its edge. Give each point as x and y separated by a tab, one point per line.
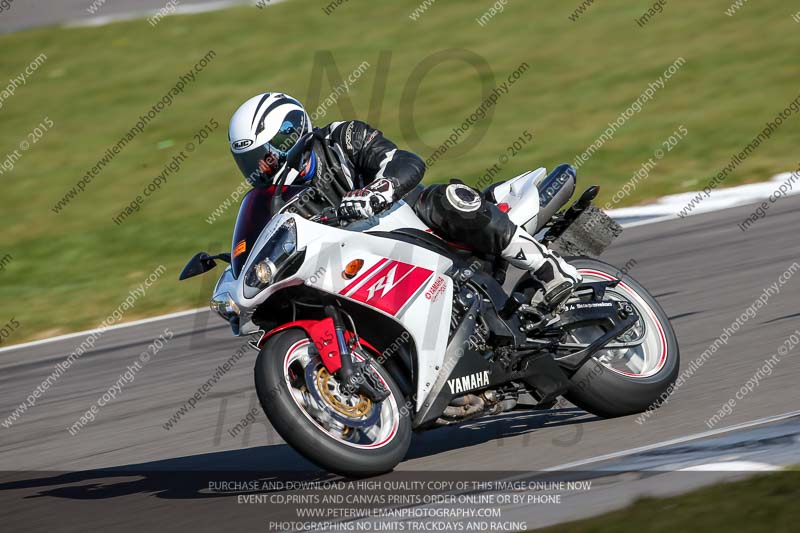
352	166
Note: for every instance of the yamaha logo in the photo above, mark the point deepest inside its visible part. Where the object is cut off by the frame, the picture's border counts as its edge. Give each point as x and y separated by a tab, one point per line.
469	382
241	144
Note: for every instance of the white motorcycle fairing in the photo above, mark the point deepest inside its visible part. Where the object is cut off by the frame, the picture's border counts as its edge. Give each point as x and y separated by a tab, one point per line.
401	281
522	198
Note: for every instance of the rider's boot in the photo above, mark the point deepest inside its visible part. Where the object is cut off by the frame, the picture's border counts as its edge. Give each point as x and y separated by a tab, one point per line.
557	277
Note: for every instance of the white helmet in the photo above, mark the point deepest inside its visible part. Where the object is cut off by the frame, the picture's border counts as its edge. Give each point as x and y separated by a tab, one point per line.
262	131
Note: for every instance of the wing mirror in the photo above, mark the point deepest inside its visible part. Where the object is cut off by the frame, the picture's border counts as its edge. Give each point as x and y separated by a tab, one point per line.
202	263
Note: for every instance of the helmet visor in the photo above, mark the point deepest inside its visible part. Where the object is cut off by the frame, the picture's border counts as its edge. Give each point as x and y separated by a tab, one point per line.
293	126
260	165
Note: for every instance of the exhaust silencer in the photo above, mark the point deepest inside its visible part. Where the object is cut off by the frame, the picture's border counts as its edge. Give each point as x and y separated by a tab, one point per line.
554	192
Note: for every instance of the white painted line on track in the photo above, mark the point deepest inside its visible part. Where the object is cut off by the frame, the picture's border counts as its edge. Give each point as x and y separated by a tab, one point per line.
732	466
110	328
678	440
668	207
646	221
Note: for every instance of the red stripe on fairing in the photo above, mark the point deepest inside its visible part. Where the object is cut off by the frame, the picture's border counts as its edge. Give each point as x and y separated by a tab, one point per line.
652	316
392	287
364	276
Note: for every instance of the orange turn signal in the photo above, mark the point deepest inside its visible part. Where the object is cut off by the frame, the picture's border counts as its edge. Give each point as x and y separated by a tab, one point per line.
241	247
352	268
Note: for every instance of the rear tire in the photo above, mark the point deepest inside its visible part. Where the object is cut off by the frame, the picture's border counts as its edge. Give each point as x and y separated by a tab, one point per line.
295	425
605	392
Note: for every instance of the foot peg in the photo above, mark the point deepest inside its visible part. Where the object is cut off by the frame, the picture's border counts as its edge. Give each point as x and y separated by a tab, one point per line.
535	316
559	295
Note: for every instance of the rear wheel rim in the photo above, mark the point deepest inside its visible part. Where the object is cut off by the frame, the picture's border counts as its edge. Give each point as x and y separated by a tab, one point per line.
353	421
642	361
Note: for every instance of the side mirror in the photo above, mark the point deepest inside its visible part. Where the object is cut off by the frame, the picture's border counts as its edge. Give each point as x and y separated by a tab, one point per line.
201	263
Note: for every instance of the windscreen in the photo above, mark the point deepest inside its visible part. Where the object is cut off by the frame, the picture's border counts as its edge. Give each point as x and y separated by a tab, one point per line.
254	214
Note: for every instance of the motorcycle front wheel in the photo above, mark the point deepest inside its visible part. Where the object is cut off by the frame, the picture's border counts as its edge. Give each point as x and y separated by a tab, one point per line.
342	432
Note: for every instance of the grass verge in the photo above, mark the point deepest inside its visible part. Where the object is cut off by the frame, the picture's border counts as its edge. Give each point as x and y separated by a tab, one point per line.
763	504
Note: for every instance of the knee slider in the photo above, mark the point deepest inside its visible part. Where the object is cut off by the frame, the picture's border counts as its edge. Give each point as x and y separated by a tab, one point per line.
463	198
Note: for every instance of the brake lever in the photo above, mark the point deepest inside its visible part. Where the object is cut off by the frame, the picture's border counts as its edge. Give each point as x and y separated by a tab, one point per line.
329	220
330	216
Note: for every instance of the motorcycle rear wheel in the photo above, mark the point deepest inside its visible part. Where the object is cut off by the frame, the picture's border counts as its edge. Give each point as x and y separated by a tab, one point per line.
609	385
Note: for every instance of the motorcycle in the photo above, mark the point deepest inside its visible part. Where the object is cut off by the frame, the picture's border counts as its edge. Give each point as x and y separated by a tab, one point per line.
373	329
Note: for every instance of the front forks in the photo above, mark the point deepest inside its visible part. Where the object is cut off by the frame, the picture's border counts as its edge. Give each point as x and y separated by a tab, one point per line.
355	376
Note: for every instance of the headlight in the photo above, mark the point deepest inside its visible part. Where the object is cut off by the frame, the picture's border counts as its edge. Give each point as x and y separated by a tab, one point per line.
264	272
224	306
272	257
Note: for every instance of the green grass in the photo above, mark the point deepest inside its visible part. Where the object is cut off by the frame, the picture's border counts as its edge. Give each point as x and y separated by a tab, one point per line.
766	503
71	269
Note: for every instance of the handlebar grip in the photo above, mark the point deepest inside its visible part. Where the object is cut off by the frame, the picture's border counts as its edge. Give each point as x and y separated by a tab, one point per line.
340	213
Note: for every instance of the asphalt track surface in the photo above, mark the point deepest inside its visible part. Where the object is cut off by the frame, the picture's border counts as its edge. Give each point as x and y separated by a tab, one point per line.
703	270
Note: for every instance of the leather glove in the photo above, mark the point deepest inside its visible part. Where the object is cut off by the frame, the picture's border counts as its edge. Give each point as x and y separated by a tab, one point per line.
366	202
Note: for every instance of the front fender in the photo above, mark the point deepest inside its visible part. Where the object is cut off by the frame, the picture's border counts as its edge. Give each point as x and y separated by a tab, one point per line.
323	335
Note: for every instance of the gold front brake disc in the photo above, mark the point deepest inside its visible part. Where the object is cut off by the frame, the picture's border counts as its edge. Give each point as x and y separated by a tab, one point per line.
330	390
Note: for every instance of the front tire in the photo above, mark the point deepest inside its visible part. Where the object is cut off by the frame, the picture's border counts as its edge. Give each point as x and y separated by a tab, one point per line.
310	411
605	389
